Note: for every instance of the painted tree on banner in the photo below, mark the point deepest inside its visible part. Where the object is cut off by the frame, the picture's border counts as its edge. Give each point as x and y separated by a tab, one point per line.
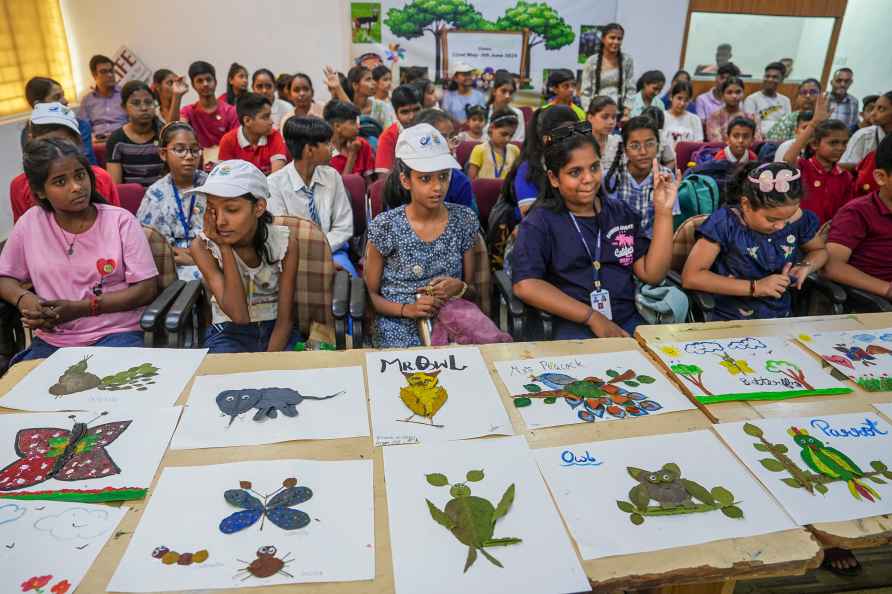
545	25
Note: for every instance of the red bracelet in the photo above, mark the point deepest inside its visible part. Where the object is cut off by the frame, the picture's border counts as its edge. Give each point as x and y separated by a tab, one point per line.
94	305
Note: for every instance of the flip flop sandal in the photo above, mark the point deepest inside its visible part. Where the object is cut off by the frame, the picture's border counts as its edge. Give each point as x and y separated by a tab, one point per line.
837	554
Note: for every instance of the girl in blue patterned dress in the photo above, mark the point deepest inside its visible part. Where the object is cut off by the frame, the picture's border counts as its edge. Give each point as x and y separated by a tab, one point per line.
750	252
419	254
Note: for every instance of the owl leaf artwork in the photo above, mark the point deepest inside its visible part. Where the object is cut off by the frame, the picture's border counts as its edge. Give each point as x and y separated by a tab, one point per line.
77	379
673	495
424	396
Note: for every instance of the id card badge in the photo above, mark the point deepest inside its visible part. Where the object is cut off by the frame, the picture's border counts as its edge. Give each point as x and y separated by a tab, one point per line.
600	302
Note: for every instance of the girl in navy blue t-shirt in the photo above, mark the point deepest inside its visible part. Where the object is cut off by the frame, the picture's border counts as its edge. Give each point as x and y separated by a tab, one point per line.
578	251
754	249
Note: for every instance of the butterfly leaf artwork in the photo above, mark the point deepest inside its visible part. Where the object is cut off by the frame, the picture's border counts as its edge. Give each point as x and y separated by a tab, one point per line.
745	368
864	356
276	506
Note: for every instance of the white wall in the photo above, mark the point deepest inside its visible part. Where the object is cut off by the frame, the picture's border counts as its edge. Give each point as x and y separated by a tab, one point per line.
654	33
864	46
10	166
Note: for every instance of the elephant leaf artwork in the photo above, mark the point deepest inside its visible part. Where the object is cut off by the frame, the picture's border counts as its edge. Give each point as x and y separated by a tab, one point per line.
77	379
267	401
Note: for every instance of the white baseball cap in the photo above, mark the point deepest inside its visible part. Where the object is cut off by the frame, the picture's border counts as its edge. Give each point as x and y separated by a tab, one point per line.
234	178
462	67
423	148
54	113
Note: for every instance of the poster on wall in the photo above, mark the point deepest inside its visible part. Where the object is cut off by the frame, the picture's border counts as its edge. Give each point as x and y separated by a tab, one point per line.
129	66
409	33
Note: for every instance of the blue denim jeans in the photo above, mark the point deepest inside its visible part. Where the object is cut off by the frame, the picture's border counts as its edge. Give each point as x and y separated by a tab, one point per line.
41	349
244	338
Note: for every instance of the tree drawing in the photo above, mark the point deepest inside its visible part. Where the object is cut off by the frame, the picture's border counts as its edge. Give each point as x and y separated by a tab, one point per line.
790	370
693	374
435	17
545	25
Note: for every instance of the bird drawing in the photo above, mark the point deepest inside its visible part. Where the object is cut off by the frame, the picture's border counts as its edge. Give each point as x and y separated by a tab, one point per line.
856	353
875	349
424	396
839	360
832	463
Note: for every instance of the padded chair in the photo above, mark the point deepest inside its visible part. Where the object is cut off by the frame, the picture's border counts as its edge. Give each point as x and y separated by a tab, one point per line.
99	151
463	152
527	112
376	198
131	196
684	151
356	189
855	300
486	192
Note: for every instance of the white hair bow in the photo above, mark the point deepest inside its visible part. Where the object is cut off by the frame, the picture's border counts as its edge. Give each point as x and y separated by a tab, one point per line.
780	183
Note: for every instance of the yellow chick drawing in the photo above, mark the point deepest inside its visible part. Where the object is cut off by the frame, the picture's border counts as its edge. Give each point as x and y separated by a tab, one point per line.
424	396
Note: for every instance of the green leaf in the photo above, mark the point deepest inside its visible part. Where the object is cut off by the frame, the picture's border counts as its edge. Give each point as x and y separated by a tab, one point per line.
821	488
645	379
437	480
780	448
638	495
634	472
626	507
532	388
549	400
771	464
887	474
877	480
698	491
474	475
792	482
612	373
672	467
723	496
752	430
878	466
439	516
732	511
761	447
631	384
522	402
637	519
505	502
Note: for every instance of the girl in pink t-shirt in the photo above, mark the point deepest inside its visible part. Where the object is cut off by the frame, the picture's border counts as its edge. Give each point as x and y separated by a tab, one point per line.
88	262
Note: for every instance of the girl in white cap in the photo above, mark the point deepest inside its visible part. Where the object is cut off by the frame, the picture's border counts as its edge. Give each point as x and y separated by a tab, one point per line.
419	254
248	264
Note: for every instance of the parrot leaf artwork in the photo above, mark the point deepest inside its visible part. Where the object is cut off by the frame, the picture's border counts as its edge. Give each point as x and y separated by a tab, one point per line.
471	519
673	495
77	379
863	357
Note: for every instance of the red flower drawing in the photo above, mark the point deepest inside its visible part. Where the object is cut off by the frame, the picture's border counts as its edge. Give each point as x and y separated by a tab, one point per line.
60	588
36	582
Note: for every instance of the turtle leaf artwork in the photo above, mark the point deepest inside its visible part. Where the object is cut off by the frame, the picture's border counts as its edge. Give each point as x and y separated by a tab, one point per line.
276	506
592	397
265	565
168	557
424	396
673	495
471	519
825	465
268	402
77	379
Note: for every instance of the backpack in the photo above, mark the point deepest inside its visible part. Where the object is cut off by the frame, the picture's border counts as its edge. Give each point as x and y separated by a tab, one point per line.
767	151
370	129
704	154
697	194
501	223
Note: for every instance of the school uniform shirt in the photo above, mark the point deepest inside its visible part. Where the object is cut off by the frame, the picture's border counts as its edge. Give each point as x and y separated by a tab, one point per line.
315	111
639	196
770	109
549	248
290	196
235	145
140	161
210	127
726	155
864	225
364	164
684	128
21	198
460	191
825	191
492	164
845	110
454	103
638	105
386	153
38	252
280	110
862	142
105	114
519	133
749	255
706	103
717	124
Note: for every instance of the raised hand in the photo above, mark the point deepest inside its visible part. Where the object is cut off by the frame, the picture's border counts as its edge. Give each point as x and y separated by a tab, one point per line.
665	189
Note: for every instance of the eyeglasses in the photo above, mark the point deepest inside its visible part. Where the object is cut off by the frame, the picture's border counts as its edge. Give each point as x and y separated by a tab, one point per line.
182	151
637	146
562	133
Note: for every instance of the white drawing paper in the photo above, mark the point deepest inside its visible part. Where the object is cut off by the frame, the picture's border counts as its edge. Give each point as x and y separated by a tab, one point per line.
885	408
48	546
428	558
745	368
552	391
436	395
589	479
105	378
96	456
253	408
187	509
822	468
865	356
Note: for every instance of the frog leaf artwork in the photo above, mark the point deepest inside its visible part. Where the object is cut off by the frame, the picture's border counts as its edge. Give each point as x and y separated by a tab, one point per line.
424	396
673	495
824	465
268	402
77	379
471	519
592	397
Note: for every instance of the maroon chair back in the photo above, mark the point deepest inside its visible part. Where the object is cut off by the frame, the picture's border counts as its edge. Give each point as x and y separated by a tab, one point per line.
131	196
356	188
685	150
527	112
486	192
99	151
376	197
463	152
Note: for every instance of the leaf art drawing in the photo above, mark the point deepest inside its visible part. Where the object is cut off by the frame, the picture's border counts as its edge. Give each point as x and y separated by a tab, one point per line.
77	379
472	519
673	495
168	557
424	396
861	356
265	565
276	506
268	402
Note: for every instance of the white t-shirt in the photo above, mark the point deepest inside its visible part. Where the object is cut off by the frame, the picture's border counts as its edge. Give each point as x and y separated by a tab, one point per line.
768	109
685	128
862	142
782	149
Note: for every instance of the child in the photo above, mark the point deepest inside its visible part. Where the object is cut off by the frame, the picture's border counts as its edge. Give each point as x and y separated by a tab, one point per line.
711	100
249	265
579	252
461	93
40	89
210	119
383	81
500	95
741	132
311	189
476	123
632	181
601	116
717	123
806	95
255	140
56	247
495	157
179	220
54	120
132	150
360	88
827	187
560	89
802	120
419	254
428	93
752	250
681	124
680	76
649	86
301	93
263	82
867	105
283	87
351	154
867	139
860	239
236	84
168	89
406	105
767	103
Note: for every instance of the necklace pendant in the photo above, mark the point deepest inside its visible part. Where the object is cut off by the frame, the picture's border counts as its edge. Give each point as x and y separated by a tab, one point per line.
70	250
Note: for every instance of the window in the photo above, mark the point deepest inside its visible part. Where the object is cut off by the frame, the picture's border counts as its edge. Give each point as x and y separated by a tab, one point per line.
32	43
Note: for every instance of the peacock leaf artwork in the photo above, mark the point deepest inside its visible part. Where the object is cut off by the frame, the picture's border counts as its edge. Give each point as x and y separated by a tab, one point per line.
592	397
471	519
673	495
77	379
825	465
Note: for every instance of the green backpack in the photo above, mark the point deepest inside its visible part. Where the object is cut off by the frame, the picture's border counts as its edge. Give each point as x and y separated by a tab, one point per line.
697	194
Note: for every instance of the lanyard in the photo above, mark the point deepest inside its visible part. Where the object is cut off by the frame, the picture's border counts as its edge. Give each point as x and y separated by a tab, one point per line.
497	171
596	259
186	222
